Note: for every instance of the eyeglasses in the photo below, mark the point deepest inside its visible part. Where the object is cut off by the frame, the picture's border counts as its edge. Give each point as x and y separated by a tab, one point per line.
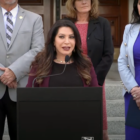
83	0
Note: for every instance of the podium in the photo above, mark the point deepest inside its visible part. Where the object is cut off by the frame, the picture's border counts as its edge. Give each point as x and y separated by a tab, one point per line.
59	113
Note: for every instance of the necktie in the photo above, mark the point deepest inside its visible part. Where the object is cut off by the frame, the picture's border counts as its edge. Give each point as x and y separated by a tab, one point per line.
9	28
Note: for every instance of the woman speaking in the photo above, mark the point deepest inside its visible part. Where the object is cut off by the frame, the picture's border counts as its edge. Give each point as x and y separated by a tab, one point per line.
63	39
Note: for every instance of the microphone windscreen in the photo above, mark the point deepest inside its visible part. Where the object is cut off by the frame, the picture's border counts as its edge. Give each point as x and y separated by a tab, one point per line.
67	58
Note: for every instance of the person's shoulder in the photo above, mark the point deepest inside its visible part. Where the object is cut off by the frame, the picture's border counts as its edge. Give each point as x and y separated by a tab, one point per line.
100	20
103	20
30	14
127	27
132	28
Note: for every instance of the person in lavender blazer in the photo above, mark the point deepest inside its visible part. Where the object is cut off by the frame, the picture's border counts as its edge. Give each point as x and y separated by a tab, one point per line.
129	66
63	39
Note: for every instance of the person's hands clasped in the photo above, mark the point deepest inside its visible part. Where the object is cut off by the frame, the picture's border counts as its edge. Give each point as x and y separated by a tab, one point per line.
135	92
13	84
8	76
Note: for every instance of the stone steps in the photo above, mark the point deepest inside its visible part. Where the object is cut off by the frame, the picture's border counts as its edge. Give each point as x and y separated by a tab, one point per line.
116	125
113	90
116	137
115	108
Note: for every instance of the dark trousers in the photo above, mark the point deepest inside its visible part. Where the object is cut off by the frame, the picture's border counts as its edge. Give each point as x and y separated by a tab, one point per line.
8	109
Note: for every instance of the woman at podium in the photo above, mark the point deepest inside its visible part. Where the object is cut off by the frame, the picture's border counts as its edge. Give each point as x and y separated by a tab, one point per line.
62	62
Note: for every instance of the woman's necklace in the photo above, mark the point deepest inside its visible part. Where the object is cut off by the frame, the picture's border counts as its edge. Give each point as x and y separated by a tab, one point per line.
60	61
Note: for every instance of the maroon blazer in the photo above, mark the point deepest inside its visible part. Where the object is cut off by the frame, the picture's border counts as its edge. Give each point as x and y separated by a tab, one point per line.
45	83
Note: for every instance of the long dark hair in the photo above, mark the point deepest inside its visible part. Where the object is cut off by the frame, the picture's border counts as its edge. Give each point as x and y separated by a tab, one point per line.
135	14
44	60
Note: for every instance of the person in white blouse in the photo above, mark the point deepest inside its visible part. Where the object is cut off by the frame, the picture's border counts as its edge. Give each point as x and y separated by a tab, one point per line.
21	38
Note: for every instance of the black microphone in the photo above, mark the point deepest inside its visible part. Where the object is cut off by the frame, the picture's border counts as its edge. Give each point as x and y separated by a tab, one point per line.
67	58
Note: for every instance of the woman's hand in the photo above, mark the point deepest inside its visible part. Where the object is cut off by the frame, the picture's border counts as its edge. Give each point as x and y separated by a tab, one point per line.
136	95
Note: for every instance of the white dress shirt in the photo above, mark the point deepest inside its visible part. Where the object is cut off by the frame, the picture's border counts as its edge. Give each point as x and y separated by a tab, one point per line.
14	13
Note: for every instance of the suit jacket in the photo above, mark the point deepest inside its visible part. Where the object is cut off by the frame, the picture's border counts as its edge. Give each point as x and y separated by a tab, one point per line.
45	83
126	60
27	41
100	46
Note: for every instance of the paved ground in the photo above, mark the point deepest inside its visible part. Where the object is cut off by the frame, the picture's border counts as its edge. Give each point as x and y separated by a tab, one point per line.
113	74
